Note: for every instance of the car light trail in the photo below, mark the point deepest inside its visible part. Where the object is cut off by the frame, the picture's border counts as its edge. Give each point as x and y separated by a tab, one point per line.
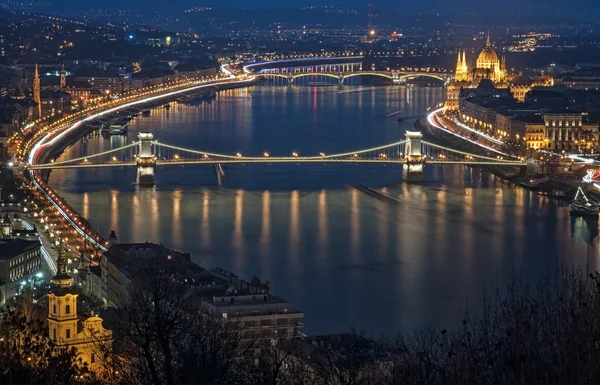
433	115
490	138
45	253
50	139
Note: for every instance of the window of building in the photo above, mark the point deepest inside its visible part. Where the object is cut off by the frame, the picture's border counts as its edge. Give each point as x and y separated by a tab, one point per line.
93	358
54	308
68	309
68	333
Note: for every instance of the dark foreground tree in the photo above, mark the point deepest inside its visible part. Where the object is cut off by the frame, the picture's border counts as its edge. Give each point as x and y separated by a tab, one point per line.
28	356
547	333
544	333
166	340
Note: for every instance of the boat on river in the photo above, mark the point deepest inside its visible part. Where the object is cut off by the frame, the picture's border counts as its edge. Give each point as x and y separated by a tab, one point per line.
581	205
205	94
556	194
118	129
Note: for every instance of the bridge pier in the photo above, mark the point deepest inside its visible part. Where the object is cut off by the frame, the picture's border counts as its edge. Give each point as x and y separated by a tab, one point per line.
145	160
412	169
531	167
220	173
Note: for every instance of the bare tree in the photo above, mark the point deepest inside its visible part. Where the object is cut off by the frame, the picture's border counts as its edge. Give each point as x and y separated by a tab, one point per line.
214	353
28	356
154	323
167	341
349	360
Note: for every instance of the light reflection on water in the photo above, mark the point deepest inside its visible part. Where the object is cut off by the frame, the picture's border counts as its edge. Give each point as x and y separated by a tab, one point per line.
343	257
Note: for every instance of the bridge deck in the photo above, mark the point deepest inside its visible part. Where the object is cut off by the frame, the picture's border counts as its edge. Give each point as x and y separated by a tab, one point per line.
160	163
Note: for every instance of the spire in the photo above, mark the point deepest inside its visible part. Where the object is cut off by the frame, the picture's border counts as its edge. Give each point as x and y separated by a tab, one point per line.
63	76
488	43
459	63
62	278
464	59
61	249
36	91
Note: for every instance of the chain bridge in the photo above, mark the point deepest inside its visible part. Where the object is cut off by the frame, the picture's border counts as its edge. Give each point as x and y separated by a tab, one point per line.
146	154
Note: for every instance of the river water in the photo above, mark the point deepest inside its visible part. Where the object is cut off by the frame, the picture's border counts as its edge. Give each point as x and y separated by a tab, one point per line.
342	257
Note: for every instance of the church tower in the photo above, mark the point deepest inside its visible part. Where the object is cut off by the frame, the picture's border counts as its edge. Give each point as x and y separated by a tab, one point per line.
461	73
62	304
37	91
458	66
502	74
88	336
63	77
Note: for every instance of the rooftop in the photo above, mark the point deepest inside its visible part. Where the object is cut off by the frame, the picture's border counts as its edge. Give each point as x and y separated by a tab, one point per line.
10	248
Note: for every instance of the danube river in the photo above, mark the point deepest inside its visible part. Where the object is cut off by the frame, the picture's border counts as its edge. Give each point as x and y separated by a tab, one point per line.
342	257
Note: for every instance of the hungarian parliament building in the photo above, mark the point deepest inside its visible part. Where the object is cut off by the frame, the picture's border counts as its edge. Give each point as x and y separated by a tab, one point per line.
545	115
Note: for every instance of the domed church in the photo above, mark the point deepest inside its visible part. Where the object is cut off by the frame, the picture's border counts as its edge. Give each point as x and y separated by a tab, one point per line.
489	65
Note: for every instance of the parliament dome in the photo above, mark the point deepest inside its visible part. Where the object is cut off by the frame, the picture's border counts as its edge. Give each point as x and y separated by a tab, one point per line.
488	56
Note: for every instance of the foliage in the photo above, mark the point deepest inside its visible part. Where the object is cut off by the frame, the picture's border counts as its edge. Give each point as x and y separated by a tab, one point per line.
545	333
28	356
548	333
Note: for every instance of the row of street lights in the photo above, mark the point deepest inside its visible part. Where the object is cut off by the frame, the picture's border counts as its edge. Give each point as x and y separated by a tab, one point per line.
50	128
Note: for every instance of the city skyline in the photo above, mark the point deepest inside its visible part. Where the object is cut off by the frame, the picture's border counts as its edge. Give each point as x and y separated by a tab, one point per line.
223	193
457	6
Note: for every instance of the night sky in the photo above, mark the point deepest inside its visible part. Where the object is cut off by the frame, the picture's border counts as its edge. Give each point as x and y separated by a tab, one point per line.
472	5
461	6
421	5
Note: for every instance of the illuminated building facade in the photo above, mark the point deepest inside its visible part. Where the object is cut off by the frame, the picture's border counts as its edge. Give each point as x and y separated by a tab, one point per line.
489	65
568	131
65	327
20	260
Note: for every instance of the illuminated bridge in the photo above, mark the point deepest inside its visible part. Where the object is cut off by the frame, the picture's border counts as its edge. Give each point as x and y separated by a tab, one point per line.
399	77
146	153
338	68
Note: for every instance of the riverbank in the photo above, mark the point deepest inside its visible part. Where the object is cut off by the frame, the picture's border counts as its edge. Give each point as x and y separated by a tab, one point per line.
511	174
350	247
84	129
567	182
54	143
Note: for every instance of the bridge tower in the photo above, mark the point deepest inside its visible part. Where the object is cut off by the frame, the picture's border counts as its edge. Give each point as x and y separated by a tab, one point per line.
145	160
412	170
